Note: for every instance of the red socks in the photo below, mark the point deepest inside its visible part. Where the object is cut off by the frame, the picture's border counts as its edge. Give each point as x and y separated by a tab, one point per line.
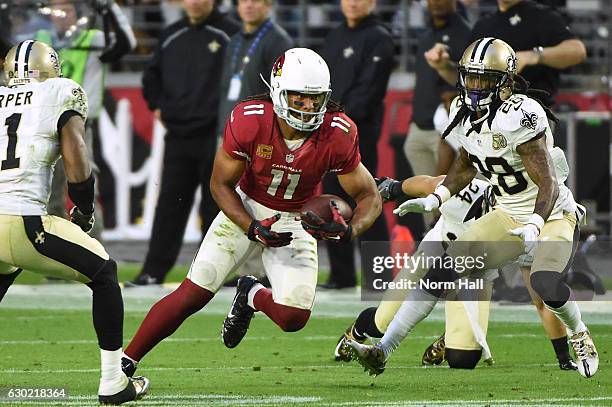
290	319
166	316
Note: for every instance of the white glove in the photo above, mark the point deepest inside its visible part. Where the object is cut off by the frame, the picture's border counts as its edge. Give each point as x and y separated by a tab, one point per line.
530	232
418	205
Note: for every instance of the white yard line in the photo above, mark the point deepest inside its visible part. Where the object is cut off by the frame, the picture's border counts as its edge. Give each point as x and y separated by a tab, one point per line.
238	400
147	368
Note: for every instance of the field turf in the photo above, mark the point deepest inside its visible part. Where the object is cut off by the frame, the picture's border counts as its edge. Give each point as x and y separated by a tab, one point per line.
47	340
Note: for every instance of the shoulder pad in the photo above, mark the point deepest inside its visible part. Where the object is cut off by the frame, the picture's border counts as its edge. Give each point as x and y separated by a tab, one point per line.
339	124
247	117
520	112
70	95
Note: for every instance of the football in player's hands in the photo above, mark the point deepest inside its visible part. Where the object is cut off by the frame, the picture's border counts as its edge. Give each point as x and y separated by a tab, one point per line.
326	217
320	206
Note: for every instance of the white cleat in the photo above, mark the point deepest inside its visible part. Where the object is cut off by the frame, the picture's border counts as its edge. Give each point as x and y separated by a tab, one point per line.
587	358
372	358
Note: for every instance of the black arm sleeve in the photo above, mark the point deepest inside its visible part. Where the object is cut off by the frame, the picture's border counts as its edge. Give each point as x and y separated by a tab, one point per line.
124	36
63	119
152	80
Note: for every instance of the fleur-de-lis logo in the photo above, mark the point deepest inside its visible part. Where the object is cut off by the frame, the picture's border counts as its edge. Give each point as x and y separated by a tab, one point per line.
529	120
40	237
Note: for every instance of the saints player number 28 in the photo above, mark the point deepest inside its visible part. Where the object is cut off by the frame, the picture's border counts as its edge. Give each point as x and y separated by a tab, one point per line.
520	181
277	178
12	123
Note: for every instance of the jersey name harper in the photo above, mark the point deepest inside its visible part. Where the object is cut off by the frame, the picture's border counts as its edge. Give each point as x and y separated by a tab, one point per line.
491	144
29	142
280	177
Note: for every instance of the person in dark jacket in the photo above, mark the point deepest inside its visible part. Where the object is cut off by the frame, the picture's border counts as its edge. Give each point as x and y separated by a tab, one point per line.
447	27
360	54
181	86
250	53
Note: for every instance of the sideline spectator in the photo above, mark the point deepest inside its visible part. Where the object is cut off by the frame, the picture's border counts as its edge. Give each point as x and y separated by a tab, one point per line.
181	86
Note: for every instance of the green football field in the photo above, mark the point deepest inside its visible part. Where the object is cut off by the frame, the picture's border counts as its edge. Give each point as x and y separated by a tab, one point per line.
47	340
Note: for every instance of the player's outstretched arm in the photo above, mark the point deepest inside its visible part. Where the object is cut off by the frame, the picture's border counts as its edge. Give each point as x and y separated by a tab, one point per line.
225	175
540	167
421	185
360	185
417	186
459	176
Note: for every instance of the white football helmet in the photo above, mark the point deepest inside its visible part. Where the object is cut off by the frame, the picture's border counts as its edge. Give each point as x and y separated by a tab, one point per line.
304	71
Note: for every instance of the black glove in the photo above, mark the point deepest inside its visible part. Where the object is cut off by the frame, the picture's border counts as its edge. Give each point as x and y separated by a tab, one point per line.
389	189
260	231
83	220
336	230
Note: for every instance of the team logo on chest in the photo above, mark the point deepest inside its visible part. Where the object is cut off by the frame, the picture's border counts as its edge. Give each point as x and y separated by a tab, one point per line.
499	142
264	151
214	46
515	19
289	158
529	120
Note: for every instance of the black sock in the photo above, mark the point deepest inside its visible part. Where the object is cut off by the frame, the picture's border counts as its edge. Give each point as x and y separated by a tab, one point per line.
107	307
366	325
6	280
561	349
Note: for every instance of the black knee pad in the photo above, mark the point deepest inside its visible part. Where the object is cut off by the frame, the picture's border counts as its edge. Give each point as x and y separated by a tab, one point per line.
107	274
550	287
366	323
462	359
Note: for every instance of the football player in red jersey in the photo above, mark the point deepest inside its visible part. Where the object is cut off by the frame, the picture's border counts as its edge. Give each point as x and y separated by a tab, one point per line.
276	150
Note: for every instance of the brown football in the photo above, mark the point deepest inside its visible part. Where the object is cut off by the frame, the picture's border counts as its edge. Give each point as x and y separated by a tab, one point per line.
319	205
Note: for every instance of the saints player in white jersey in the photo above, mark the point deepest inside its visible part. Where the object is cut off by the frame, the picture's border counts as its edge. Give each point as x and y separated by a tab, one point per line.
466	330
464	340
42	116
504	135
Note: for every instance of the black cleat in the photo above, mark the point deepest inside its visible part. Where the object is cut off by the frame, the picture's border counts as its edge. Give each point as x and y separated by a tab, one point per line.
128	367
434	354
143	280
136	389
568	365
239	317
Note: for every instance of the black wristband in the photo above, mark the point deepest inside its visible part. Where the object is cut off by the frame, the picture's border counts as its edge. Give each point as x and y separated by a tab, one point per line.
439	199
82	194
348	235
396	191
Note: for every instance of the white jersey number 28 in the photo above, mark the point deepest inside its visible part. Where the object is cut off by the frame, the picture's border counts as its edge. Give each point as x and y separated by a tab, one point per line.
507	171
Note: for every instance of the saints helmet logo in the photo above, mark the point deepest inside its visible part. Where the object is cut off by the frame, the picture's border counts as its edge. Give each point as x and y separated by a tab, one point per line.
511	61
